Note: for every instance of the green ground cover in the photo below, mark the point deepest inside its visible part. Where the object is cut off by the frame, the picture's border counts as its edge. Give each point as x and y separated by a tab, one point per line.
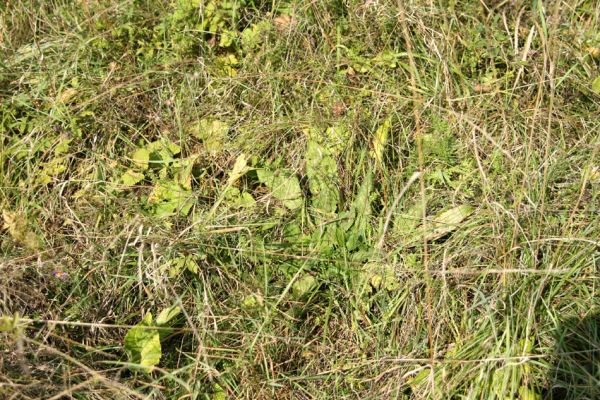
287	199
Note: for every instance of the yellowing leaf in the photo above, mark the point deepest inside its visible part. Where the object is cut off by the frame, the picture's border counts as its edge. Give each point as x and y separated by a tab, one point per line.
593	51
183	174
380	139
252	301
143	345
596	85
141	157
380	276
62	147
130	177
169	198
212	132
528	394
239	169
9	323
51	169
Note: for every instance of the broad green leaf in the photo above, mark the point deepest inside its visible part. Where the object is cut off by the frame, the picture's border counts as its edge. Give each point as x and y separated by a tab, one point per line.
169	198
321	169
596	85
141	157
51	169
162	152
218	393
163	145
448	221
380	139
226	64
164	319
227	38
183	172
130	177
334	139
303	285
284	186
143	345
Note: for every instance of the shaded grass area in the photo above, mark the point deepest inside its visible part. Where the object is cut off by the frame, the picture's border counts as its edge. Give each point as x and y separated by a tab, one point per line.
343	199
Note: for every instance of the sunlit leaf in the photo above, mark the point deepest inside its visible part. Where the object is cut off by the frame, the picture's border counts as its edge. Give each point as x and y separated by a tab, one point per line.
66	96
143	345
212	132
380	276
303	285
284	186
178	264
141	157
526	393
448	221
169	198
596	85
239	169
130	177
380	139
167	315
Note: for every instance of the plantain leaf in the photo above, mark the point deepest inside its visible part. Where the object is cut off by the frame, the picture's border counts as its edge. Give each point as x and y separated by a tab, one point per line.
448	221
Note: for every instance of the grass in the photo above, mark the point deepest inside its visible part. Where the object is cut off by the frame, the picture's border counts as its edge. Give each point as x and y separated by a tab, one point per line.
289	199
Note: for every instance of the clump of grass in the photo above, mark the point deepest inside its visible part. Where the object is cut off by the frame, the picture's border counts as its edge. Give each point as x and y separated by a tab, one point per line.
327	199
